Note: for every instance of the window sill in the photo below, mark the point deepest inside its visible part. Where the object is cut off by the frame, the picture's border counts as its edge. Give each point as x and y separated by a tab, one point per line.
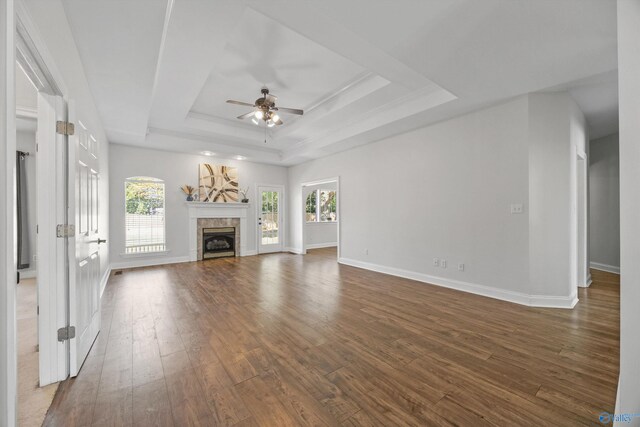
145	254
321	222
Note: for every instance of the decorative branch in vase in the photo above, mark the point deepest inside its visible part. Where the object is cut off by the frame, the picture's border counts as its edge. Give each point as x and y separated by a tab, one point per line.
244	195
189	191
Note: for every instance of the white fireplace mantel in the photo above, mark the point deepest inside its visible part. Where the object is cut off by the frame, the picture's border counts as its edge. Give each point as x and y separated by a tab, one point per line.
216	210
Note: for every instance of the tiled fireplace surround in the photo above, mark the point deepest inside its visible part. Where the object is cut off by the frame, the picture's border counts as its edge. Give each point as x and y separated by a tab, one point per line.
204	215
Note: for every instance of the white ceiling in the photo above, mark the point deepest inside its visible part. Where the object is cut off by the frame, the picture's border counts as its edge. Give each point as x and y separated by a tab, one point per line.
597	97
161	70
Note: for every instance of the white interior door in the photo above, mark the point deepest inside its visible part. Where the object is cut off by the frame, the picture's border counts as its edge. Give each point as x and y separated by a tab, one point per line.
84	256
269	219
52	259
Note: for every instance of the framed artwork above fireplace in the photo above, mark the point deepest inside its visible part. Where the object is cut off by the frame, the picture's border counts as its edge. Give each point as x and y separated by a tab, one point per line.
218	183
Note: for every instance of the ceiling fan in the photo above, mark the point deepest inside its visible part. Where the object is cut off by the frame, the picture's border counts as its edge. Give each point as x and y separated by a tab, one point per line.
265	109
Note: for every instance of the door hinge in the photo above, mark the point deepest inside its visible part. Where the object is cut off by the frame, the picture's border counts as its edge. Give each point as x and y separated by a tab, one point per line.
66	333
65	230
65	128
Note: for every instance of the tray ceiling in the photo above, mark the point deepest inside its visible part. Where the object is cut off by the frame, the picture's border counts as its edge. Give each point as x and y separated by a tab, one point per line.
161	72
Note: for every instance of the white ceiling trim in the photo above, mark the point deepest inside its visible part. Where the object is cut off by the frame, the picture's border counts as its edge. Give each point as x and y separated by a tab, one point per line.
163	40
411	104
170	140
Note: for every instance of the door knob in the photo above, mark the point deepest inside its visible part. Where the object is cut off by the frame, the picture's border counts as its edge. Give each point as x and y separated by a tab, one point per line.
102	240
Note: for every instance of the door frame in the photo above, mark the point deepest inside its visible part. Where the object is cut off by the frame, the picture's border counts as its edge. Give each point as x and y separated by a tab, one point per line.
8	344
51	269
583	276
283	209
303	230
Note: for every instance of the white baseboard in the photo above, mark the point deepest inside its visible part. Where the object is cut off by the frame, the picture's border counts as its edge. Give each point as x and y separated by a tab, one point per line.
250	253
104	280
588	282
294	251
322	245
148	262
604	267
487	291
550	301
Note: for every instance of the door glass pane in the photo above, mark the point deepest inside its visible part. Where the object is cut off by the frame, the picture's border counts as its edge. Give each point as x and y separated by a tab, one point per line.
270	219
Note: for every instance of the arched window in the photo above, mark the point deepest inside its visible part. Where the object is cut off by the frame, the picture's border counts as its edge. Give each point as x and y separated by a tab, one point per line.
144	215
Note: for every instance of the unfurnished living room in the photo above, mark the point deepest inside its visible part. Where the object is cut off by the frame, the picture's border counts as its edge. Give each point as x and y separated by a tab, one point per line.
335	213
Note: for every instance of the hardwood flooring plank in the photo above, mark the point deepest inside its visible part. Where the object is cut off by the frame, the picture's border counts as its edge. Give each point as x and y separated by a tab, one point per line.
151	406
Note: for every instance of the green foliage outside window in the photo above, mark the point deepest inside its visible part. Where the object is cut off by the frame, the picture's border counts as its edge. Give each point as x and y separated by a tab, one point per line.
321	206
144	198
269	201
311	206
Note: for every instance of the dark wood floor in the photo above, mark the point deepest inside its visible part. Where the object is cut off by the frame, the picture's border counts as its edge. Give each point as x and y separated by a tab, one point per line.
289	340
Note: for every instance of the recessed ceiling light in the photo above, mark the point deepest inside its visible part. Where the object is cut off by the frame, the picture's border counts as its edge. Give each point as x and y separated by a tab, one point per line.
207	153
240	157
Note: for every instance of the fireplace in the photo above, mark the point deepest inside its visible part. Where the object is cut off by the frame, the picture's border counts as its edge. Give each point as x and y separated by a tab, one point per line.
218	242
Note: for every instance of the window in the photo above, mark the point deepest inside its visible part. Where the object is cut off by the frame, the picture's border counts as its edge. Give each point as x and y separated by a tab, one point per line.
327	206
321	206
144	215
312	208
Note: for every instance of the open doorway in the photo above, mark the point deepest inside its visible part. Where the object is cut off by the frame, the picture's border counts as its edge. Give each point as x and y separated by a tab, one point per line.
41	204
33	400
321	215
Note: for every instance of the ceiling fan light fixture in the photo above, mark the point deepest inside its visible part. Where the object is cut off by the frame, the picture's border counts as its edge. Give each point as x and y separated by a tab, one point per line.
270	123
259	114
275	117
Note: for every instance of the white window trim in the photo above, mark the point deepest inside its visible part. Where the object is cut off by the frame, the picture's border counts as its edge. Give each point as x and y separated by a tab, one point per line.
146	254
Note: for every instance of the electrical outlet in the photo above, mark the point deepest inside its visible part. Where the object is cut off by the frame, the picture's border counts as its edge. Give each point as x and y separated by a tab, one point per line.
443	263
436	262
460	266
517	208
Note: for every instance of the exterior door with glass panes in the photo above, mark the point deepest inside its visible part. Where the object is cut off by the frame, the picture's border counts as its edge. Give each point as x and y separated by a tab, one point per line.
270	225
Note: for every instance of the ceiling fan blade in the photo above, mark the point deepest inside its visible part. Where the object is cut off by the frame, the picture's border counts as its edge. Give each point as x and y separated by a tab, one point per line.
290	110
246	104
246	116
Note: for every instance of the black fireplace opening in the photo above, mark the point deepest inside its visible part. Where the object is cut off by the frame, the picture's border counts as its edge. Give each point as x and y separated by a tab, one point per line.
218	242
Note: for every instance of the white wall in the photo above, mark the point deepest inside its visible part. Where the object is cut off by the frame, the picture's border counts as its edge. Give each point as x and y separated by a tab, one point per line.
445	192
604	203
176	170
26	141
557	132
55	43
320	234
629	95
442	191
